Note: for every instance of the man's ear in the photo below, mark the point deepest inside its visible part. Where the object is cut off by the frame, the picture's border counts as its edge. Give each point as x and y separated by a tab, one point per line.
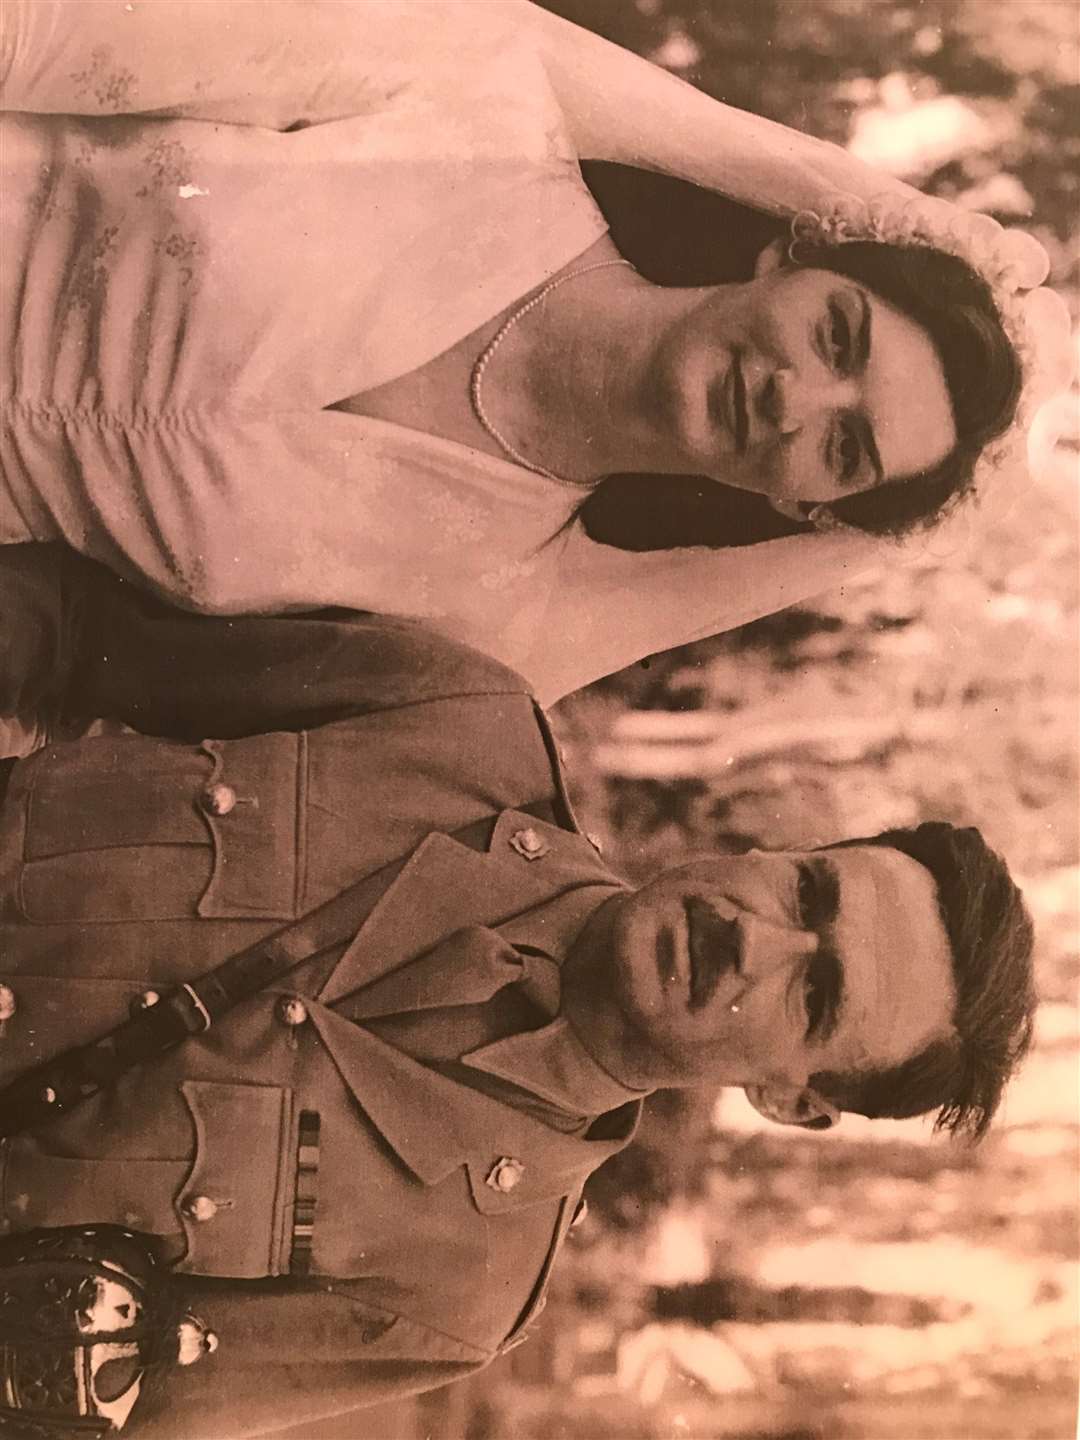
793	1105
773	257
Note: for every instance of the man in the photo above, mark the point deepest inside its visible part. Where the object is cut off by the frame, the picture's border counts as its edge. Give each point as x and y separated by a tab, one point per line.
359	1177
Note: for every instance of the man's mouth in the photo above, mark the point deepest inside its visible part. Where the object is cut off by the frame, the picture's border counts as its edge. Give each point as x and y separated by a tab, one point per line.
713	944
739	415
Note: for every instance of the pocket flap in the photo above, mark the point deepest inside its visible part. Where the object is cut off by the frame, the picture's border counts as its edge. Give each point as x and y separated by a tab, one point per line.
129	828
232	1206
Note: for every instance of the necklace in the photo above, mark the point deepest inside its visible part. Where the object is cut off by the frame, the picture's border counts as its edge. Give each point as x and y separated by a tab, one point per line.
476	381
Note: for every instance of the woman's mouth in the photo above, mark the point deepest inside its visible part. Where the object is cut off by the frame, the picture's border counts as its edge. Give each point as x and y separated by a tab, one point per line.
739	419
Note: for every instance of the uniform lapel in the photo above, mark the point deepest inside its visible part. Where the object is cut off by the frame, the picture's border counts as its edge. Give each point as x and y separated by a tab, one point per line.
467	968
446	886
436	1125
431	940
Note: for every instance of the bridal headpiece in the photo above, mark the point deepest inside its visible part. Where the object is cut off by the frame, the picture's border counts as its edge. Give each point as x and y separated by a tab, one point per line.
1012	263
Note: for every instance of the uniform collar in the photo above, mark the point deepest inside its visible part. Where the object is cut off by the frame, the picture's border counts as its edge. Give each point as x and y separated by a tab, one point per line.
552	1064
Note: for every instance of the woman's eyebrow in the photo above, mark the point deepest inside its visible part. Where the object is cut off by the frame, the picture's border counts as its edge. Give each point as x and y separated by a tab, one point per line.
862	332
863	341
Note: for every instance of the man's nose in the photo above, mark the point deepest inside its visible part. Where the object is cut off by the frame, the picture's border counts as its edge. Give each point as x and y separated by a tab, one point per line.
770	949
791	397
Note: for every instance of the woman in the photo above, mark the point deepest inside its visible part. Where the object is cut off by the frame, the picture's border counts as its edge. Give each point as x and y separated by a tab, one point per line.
294	317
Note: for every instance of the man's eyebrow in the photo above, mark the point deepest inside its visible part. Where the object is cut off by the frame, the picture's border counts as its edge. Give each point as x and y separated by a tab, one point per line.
828	957
827	909
826	901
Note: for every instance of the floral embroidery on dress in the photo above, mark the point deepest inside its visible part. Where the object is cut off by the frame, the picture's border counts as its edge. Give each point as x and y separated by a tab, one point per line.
45	200
507	574
457	520
184	249
114	89
92	278
169	164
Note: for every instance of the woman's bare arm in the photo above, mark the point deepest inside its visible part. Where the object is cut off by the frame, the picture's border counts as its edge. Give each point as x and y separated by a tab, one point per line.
621	107
612	607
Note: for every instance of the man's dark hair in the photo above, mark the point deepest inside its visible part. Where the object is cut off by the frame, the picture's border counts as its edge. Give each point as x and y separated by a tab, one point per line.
991	938
680	234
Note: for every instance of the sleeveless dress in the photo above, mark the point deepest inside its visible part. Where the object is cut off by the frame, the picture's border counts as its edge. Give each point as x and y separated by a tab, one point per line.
183	294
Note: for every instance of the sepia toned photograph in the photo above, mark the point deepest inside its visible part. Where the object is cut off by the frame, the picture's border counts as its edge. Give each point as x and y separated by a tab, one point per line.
539	719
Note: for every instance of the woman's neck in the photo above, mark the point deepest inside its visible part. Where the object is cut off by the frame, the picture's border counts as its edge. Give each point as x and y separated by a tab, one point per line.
568	384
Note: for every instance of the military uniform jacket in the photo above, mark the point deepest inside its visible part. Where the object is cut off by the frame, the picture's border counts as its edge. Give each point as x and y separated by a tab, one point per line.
353	1223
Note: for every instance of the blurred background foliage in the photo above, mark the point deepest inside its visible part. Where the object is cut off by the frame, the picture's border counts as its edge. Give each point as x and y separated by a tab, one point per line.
874	1282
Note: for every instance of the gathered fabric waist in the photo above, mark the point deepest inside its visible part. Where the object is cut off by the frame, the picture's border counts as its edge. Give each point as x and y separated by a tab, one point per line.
23	513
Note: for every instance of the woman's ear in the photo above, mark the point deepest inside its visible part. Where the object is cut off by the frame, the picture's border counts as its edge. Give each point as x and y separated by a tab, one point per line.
793	1105
791	509
773	257
803	513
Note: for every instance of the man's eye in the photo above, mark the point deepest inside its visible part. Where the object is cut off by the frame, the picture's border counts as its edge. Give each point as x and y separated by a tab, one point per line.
839	338
815	995
816	895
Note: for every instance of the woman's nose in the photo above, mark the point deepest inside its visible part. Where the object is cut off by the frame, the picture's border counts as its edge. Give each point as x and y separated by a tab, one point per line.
792	397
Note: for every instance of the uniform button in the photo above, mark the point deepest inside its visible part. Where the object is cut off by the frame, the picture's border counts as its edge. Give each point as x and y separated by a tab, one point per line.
146	1001
505	1175
219	799
194	1340
530	844
199	1208
291	1010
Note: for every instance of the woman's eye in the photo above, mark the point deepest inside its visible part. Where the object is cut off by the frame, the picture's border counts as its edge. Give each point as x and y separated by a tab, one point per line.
839	338
848	455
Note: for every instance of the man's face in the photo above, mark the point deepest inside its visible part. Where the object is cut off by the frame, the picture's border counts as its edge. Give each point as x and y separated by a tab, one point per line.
765	968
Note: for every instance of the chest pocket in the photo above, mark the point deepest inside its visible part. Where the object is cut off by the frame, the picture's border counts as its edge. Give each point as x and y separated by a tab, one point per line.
129	828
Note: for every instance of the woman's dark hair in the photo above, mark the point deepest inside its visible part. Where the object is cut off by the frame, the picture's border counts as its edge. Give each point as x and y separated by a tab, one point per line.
669	229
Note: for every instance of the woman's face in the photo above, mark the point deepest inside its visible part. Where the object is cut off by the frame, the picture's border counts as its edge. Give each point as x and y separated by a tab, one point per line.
801	385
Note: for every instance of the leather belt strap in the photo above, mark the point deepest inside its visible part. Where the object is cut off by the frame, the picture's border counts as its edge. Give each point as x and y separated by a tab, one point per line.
52	1087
